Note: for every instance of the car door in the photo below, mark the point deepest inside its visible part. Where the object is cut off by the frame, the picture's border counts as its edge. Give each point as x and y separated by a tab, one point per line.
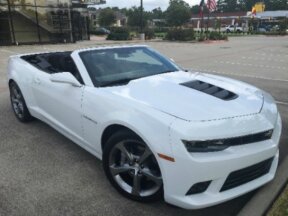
59	104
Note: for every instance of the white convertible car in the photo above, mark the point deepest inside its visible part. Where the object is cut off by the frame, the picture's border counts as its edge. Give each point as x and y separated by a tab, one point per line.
196	139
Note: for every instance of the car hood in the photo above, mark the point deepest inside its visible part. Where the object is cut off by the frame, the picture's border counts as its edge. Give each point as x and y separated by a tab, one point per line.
167	93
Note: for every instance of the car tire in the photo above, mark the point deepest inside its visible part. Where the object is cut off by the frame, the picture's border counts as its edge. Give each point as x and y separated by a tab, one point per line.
18	103
132	168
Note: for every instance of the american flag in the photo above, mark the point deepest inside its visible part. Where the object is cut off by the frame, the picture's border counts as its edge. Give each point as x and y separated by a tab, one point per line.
211	5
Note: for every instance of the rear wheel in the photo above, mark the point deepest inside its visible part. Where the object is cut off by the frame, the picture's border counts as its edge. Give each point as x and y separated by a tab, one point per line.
131	167
18	103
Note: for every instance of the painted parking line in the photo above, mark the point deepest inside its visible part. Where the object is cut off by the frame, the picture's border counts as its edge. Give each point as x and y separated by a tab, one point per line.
241	75
282	103
263	59
271	54
8	51
251	65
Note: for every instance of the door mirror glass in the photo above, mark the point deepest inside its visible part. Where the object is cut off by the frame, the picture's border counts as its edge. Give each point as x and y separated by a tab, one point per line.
65	77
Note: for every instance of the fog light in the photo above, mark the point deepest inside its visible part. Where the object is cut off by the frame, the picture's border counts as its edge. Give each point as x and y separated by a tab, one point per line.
198	188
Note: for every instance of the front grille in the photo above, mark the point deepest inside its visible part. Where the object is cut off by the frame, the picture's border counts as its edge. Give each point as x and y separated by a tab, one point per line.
221	144
251	138
210	89
247	174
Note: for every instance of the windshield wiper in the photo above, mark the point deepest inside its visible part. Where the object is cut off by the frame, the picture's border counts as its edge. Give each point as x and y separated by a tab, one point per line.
168	71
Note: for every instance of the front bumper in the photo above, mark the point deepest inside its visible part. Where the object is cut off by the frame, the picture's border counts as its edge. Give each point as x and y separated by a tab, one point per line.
192	168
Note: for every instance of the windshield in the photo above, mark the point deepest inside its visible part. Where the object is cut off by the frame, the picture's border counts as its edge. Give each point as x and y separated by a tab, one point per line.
116	66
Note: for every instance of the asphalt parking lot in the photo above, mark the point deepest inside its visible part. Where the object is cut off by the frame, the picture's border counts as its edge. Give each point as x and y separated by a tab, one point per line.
43	173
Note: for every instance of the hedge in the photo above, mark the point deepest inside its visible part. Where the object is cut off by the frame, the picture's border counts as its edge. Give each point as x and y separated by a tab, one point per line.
178	34
119	33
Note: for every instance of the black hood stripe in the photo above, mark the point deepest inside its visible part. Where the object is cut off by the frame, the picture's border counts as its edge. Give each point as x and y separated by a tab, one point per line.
210	89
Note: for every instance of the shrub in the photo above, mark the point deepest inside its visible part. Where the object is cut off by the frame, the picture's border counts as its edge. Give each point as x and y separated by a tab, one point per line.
119	33
275	33
201	37
149	34
224	37
161	29
161	35
180	34
214	35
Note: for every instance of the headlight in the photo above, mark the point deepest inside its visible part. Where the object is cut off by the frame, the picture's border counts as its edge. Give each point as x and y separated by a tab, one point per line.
221	144
205	146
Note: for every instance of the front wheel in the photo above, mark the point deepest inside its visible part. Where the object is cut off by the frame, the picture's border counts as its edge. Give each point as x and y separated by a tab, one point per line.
132	168
18	103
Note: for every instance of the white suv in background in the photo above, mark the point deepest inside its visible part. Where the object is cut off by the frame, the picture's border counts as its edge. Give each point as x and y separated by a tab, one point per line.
233	28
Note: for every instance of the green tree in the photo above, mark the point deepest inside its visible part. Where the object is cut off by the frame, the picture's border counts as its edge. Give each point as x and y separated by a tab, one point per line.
134	15
221	5
228	5
157	13
195	9
178	12
107	17
246	5
276	4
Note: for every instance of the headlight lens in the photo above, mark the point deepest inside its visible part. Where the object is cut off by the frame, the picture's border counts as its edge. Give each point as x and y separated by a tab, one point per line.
221	144
205	146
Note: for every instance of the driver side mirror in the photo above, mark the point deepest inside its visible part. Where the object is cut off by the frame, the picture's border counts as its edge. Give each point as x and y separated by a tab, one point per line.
65	77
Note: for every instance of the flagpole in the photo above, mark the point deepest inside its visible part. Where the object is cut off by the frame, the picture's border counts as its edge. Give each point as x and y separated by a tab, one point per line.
202	20
208	21
202	2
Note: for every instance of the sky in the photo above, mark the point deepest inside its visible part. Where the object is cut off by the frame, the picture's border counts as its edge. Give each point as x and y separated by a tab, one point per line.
148	4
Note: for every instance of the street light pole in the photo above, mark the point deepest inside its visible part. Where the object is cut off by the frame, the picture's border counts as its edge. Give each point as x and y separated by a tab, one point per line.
141	17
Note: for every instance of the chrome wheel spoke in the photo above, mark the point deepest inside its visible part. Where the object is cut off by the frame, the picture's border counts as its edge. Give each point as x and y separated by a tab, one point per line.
145	155
136	189
14	100
16	93
115	170
156	179
134	169
20	106
125	152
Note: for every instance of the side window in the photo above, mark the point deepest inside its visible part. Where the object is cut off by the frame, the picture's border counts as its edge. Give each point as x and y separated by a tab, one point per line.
68	65
64	63
54	63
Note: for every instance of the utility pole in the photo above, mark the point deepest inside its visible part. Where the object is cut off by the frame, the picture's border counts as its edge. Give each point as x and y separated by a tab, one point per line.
141	17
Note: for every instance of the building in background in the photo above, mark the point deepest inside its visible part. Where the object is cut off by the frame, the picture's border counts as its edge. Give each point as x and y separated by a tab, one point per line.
44	21
242	19
121	19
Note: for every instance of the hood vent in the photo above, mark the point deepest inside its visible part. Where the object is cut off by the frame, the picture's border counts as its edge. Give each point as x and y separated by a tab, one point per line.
210	89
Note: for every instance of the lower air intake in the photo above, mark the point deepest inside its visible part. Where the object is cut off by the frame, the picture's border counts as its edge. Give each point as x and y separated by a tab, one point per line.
247	174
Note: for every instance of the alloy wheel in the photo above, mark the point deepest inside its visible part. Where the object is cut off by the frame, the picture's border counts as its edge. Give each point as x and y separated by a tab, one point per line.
17	101
134	168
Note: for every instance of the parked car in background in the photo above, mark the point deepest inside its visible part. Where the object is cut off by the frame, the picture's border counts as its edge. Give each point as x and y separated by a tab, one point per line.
233	28
264	28
102	30
275	28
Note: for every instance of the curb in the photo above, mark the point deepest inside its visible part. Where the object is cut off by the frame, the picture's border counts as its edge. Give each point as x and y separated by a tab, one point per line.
262	201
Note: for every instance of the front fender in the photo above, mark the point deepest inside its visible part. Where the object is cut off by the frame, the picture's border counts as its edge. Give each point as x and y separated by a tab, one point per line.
102	109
